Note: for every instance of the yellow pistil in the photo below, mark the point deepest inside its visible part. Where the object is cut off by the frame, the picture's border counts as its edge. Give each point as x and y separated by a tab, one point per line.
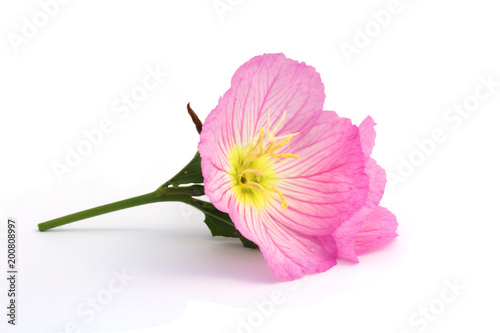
252	167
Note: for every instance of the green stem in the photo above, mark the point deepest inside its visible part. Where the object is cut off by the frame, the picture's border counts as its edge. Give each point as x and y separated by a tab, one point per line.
181	194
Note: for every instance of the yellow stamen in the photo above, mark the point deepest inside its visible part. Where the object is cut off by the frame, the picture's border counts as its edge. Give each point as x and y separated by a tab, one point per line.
252	167
268	150
285	136
261	136
285	156
279	123
281	144
284	205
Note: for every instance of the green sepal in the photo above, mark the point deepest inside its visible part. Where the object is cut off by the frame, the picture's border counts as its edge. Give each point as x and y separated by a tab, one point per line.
220	223
190	174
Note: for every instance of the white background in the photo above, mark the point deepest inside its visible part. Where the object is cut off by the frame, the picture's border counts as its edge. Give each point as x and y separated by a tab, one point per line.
64	79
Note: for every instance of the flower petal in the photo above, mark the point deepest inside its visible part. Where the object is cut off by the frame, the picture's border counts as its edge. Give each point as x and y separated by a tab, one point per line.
289	253
372	169
378	227
268	82
276	83
367	133
327	185
346	233
332	190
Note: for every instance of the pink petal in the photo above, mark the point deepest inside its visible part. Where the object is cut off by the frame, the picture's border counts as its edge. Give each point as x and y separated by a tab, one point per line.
323	188
347	232
332	191
378	227
276	83
368	227
327	184
268	82
377	181
367	133
289	253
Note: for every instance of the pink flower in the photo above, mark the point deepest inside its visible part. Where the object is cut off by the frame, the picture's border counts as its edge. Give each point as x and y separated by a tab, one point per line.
296	180
372	224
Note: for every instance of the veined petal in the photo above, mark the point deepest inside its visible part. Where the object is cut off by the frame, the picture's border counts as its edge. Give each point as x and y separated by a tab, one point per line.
377	179
332	143
378	227
296	180
327	185
372	169
214	163
367	133
345	233
266	85
263	88
273	83
370	216
289	253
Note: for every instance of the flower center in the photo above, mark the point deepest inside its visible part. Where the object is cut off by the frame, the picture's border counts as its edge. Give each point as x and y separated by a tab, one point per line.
252	167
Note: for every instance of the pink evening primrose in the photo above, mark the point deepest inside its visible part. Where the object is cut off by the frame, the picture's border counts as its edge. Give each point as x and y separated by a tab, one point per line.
296	180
